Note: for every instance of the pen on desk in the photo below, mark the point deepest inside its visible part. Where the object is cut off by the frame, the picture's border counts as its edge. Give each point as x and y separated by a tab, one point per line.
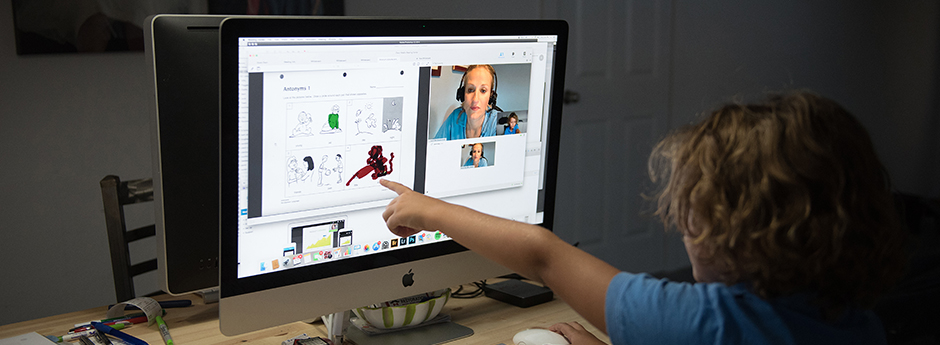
113	320
122	317
75	336
137	319
80	328
118	326
164	331
120	335
125	321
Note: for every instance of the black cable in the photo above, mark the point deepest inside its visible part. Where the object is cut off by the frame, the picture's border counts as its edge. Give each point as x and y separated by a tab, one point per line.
470	294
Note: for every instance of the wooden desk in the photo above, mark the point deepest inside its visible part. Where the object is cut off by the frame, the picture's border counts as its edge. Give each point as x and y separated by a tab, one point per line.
492	321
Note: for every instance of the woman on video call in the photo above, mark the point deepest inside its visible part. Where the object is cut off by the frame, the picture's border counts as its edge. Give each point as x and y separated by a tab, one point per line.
476	159
476	116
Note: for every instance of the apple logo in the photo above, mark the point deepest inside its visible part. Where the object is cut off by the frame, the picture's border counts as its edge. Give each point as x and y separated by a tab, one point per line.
408	279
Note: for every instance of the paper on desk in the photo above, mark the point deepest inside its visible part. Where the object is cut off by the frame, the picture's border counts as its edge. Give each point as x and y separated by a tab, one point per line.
150	307
28	338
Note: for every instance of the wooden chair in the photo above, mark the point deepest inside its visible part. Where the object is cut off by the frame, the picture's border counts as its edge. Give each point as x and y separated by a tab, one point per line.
115	194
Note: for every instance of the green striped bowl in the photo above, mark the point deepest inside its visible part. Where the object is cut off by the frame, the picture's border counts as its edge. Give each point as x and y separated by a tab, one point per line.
406	315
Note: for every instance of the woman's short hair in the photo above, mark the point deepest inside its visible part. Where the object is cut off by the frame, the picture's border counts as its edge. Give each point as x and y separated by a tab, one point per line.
786	195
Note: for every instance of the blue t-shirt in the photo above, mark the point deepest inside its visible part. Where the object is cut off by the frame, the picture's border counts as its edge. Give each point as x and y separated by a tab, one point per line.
455	125
640	309
469	162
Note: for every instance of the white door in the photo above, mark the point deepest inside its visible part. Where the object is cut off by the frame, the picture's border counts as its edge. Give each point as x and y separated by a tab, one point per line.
617	108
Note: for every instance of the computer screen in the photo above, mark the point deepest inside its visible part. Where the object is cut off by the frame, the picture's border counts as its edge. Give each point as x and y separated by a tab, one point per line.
315	112
183	54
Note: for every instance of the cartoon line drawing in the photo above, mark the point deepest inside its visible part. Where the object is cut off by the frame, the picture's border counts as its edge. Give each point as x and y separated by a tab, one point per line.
323	170
332	123
370	122
391	125
297	173
375	164
392	114
339	168
303	128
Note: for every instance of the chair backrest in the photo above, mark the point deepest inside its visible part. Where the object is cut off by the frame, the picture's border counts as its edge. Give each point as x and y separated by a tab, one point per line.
115	194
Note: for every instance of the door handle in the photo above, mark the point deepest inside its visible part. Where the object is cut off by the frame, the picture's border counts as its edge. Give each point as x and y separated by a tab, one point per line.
571	97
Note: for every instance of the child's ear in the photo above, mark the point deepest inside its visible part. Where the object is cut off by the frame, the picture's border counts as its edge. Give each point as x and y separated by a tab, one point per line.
691	228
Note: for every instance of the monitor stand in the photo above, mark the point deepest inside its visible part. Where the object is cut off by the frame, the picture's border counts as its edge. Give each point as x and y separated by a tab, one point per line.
437	333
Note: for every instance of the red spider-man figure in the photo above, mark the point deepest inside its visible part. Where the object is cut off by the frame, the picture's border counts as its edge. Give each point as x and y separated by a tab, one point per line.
374	164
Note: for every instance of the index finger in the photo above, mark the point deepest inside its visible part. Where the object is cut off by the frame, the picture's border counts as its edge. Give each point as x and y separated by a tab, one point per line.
394	186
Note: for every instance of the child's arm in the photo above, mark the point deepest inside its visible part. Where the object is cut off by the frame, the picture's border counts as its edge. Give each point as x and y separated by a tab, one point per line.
577	277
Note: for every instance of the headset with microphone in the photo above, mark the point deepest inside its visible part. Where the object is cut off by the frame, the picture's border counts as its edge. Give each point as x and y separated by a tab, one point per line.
481	150
462	89
482	157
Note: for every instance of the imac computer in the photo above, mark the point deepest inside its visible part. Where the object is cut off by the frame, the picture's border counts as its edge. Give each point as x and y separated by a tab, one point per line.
314	112
183	52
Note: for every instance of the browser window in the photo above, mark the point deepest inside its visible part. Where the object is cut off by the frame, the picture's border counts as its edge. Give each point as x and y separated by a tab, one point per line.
322	120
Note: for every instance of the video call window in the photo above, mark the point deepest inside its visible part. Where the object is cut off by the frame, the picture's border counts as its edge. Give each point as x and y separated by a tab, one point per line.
473	109
475	155
492	92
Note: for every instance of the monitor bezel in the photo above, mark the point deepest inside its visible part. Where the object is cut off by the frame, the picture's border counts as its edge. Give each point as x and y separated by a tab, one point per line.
235	28
185	216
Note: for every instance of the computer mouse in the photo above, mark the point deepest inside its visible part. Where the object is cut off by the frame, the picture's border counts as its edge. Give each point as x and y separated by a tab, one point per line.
537	336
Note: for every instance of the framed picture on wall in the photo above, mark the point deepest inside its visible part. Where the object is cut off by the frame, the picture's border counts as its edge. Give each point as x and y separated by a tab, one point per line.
94	26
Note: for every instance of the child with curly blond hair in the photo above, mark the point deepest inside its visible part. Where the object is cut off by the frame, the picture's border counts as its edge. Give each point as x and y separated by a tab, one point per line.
785	212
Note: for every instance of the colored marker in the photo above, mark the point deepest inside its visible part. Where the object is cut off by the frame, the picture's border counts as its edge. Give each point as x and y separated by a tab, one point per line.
118	325
121	335
122	317
114	320
164	331
74	336
138	319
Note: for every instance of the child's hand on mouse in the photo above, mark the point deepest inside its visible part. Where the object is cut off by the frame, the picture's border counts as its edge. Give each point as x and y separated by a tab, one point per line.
575	333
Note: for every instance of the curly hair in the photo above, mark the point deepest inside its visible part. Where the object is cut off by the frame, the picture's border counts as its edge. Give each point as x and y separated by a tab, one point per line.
787	195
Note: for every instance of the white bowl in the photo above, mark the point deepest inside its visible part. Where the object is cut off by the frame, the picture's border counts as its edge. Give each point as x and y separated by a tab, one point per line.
406	315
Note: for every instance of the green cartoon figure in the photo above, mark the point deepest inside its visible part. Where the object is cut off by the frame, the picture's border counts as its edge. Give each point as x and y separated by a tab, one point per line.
332	123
